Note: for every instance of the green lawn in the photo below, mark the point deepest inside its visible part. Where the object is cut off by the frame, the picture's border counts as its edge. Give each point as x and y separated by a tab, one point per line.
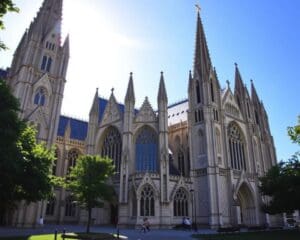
51	236
272	235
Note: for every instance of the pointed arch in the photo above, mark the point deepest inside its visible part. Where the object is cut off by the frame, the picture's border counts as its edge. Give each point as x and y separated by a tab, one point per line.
147	201
198	93
180	202
73	154
237	147
245	201
40	96
212	91
146	150
112	146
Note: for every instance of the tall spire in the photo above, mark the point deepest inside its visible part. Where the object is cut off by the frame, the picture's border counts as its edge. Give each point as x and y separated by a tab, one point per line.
48	18
130	90
95	106
238	85
202	62
162	93
254	95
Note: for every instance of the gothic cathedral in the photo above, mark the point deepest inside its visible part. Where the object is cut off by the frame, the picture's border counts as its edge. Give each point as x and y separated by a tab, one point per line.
200	157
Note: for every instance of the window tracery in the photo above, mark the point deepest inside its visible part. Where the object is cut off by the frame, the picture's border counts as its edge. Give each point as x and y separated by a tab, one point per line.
147	201
180	203
146	151
236	147
112	147
40	97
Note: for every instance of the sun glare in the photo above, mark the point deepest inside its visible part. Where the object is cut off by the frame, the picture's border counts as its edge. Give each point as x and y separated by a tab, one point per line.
95	43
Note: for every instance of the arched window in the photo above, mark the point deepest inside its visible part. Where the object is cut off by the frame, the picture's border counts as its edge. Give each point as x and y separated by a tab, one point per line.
40	97
236	147
146	151
72	157
180	157
198	92
49	64
212	92
50	206
180	203
70	208
147	201
112	147
46	63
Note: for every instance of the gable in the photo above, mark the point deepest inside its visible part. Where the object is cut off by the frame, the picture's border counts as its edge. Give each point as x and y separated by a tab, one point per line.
230	105
146	113
111	112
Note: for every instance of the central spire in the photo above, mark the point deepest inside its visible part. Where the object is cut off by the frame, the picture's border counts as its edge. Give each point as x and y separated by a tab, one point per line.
48	18
202	62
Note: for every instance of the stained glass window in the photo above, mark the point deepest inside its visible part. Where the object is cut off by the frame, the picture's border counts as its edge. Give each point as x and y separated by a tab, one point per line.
112	147
147	201
146	151
180	203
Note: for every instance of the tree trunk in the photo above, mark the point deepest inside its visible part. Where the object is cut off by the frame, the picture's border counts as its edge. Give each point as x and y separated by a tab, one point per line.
89	220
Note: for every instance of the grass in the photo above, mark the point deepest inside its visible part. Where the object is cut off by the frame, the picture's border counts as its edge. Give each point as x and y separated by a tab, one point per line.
264	235
51	236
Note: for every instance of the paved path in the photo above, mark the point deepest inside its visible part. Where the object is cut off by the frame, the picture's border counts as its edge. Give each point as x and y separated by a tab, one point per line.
131	234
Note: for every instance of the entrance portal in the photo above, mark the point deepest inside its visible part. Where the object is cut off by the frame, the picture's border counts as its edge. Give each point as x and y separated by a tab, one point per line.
246	214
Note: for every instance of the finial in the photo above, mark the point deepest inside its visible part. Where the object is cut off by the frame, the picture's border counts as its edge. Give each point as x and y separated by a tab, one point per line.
112	90
198	8
228	83
97	89
130	74
235	64
251	80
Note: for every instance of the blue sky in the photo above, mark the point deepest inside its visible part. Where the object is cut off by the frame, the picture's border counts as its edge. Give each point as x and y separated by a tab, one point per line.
111	38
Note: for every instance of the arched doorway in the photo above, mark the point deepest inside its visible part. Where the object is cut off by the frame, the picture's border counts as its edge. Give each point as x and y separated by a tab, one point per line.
245	209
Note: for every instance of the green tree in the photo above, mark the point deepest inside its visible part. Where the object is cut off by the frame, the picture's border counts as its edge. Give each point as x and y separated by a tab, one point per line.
282	181
5	6
25	165
294	132
10	130
35	161
88	182
282	185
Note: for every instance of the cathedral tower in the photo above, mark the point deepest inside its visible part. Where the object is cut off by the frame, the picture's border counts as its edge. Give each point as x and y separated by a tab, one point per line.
37	78
205	130
38	71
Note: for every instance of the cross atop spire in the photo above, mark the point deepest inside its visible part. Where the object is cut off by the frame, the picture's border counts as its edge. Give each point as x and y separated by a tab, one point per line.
198	8
228	83
202	62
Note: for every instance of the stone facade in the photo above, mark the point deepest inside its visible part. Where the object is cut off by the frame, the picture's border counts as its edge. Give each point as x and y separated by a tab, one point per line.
200	157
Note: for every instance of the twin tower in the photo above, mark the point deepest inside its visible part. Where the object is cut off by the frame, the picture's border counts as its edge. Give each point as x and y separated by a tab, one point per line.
199	158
